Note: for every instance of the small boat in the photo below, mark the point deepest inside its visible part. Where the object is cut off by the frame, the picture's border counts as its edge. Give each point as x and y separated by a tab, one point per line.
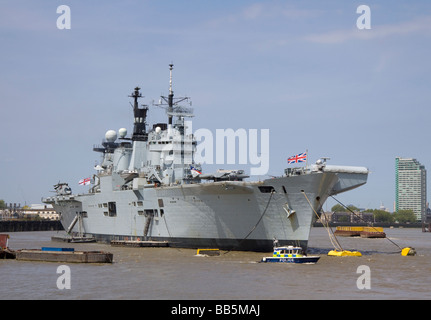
83	239
4	238
290	254
5	252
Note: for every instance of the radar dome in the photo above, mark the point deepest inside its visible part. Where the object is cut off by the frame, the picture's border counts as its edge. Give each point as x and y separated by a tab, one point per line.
110	135
122	132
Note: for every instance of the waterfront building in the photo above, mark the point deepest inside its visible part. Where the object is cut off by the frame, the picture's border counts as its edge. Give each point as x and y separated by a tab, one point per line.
410	186
349	217
42	211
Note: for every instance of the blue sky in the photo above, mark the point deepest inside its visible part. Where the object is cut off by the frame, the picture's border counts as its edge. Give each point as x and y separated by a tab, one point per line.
301	69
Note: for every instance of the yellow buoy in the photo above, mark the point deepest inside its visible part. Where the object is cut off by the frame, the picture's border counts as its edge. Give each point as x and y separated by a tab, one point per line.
344	253
208	252
408	251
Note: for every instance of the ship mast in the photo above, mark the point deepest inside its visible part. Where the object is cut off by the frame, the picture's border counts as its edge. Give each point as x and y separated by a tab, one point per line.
171	96
172	105
140	118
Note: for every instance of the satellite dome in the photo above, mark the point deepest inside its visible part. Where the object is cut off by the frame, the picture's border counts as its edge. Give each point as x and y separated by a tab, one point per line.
122	132
111	135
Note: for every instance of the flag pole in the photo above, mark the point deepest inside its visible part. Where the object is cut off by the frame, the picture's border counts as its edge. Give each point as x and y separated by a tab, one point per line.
306	159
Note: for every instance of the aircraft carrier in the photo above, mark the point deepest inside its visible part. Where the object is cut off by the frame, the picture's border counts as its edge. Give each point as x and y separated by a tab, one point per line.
148	187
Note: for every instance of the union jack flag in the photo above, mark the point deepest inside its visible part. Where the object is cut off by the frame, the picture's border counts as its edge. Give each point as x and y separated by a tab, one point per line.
302	157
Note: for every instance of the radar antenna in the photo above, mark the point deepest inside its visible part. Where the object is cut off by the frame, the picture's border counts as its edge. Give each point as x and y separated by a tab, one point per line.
172	105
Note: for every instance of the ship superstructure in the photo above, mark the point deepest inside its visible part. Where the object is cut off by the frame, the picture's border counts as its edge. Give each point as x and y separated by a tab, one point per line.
148	186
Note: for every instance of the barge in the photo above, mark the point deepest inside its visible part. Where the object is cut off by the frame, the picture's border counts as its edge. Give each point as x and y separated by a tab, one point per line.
363	232
67	255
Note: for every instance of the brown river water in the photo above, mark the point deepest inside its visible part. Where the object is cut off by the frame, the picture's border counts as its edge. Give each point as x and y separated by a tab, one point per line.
178	274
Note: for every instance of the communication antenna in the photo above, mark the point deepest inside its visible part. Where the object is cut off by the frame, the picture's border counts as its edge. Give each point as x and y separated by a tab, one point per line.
172	105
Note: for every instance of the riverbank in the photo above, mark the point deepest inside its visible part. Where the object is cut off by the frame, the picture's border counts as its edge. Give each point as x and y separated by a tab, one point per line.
30	225
375	224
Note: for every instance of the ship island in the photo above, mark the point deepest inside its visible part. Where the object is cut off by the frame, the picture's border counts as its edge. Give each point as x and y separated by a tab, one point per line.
149	188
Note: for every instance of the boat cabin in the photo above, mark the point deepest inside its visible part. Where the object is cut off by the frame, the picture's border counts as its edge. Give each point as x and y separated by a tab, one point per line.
289	251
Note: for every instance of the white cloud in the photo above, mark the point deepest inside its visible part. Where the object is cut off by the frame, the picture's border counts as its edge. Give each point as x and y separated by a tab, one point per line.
419	25
253	11
27	17
264	12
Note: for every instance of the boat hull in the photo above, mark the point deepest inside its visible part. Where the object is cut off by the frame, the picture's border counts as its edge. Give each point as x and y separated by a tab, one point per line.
308	260
246	216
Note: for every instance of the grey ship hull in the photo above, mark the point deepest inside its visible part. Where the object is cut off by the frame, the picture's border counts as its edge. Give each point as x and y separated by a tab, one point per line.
227	215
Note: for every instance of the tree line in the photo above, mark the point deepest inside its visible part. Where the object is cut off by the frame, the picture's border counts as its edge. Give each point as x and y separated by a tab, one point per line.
401	216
